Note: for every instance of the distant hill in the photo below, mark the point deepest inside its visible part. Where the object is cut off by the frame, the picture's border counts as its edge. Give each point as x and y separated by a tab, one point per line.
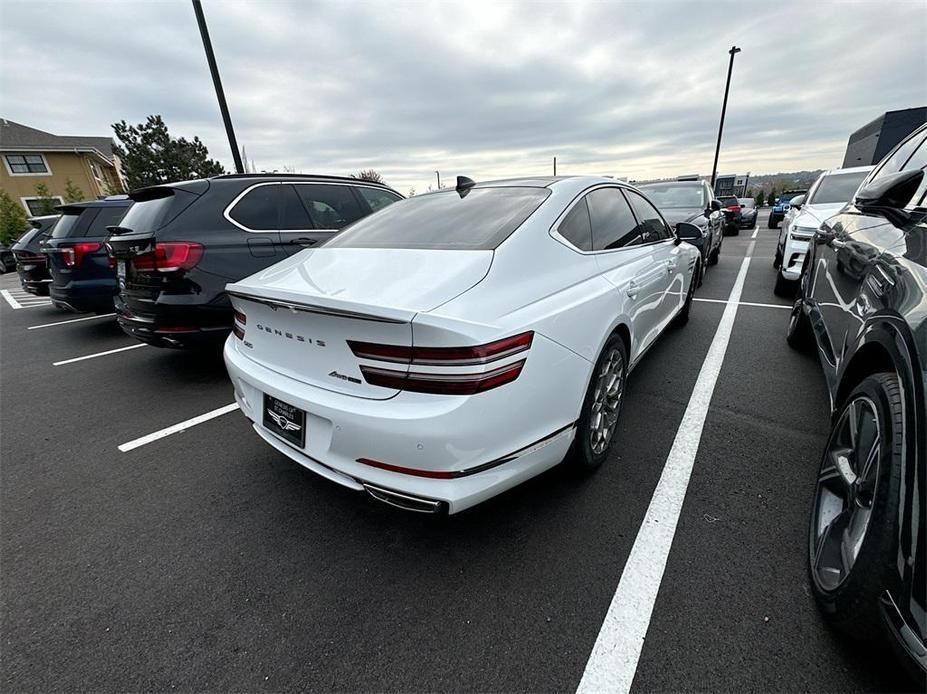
767	182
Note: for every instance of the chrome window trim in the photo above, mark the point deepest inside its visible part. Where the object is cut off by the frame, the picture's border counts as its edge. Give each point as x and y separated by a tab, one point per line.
227	211
555	234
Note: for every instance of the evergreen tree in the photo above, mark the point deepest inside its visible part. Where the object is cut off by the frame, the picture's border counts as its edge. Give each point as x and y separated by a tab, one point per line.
12	219
46	203
72	193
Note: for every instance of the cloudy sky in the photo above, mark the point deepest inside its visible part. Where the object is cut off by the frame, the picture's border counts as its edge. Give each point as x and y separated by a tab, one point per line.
631	89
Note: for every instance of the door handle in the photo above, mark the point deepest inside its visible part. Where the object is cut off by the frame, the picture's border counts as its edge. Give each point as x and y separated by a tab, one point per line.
671	266
633	289
304	241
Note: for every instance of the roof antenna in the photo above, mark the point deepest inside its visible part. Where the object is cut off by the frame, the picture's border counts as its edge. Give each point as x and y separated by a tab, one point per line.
464	185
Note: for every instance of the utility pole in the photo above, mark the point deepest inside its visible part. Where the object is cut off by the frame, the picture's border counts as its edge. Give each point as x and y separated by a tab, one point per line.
217	83
714	168
438	174
555	166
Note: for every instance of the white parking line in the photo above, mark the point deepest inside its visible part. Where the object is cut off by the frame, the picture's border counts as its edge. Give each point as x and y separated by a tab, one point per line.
177	428
741	303
613	662
73	320
755	232
99	354
9	299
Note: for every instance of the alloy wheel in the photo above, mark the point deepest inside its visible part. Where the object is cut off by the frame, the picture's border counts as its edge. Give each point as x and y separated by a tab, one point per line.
845	493
606	401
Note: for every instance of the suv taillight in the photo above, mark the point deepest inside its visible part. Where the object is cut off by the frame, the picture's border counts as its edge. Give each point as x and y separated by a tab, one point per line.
733	208
169	256
444	382
73	255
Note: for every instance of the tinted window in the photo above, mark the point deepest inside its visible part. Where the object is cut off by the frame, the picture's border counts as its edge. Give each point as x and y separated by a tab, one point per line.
836	188
107	216
576	229
292	213
258	209
377	198
329	207
747	202
66	224
918	161
152	213
897	159
481	219
652	227
613	225
669	195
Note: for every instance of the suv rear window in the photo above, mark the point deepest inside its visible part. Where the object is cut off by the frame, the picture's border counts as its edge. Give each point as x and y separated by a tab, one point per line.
676	195
152	213
106	216
480	220
837	188
65	226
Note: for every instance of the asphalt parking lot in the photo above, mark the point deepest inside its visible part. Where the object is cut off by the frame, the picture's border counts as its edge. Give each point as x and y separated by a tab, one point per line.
206	560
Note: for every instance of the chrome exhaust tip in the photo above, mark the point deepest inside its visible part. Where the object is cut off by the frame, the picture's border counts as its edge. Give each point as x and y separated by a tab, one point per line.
404	501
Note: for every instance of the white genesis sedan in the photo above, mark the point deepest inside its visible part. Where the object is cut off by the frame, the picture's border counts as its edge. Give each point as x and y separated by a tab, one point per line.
457	343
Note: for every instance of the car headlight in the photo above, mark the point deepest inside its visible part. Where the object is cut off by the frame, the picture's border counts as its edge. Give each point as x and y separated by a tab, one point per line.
800	233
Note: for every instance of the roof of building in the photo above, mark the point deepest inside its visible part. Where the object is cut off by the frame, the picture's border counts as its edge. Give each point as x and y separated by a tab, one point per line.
16	136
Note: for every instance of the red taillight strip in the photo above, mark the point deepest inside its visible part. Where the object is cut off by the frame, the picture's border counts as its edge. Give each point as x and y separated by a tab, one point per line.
241	317
444	356
443	383
454	474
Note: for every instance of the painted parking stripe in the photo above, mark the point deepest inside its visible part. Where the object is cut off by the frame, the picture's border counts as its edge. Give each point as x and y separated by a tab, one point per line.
613	662
73	320
177	428
740	303
755	232
9	298
99	354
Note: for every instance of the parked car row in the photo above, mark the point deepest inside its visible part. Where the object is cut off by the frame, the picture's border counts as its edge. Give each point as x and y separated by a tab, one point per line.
861	308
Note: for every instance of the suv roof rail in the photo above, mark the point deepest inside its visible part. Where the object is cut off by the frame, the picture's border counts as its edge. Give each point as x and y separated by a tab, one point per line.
327	177
687	177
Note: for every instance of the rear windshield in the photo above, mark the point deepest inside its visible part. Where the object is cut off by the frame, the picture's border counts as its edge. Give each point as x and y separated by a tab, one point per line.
480	220
837	188
670	195
65	225
746	202
153	213
785	197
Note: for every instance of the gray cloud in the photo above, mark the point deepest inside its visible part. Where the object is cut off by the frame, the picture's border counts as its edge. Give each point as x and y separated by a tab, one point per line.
486	89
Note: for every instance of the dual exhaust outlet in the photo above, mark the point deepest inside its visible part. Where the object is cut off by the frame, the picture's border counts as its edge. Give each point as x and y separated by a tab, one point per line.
406	502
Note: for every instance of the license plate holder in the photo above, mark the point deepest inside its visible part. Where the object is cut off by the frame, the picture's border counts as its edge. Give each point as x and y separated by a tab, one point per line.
285	420
121	269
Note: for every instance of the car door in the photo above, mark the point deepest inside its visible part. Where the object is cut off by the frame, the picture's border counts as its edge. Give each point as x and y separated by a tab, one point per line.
316	211
252	241
715	220
626	262
667	256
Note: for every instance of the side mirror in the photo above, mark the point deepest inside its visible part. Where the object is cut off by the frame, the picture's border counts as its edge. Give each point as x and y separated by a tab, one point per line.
797	202
892	191
686	231
715	206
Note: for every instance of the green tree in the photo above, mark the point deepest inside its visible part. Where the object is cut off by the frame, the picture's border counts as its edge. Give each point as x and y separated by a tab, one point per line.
151	156
45	203
760	198
369	175
12	219
72	193
771	198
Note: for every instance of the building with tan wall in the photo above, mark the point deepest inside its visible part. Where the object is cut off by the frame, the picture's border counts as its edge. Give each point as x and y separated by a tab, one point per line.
31	157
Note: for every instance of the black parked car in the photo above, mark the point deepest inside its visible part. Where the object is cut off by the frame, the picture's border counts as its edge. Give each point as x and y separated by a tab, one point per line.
7	259
689	199
747	212
180	244
83	279
862	304
31	263
732	214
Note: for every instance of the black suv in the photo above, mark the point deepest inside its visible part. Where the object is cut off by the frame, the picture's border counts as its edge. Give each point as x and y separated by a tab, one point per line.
31	263
862	304
182	243
82	278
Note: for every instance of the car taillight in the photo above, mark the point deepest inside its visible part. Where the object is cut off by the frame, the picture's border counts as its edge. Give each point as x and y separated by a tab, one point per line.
73	255
240	320
733	208
33	258
169	256
443	382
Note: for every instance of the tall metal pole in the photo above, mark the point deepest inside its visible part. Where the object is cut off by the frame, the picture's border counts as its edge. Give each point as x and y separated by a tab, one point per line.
217	83
555	166
714	167
438	174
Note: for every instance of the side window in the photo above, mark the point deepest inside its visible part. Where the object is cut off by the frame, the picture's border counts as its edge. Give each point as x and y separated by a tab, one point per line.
329	206
259	208
293	215
575	228
918	160
613	225
377	198
896	160
652	227
107	216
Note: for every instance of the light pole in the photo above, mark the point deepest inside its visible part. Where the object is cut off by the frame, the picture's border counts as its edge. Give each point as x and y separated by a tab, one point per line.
555	166
714	167
217	83
438	174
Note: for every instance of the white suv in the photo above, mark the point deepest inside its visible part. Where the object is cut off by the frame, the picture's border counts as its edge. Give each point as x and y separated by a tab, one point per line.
831	191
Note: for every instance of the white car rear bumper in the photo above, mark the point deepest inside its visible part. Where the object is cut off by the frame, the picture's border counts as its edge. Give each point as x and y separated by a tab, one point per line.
489	442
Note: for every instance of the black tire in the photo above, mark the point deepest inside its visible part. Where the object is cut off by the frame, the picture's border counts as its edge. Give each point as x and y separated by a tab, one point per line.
777	260
773	222
784	288
799	335
581	455
683	316
716	253
849	597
